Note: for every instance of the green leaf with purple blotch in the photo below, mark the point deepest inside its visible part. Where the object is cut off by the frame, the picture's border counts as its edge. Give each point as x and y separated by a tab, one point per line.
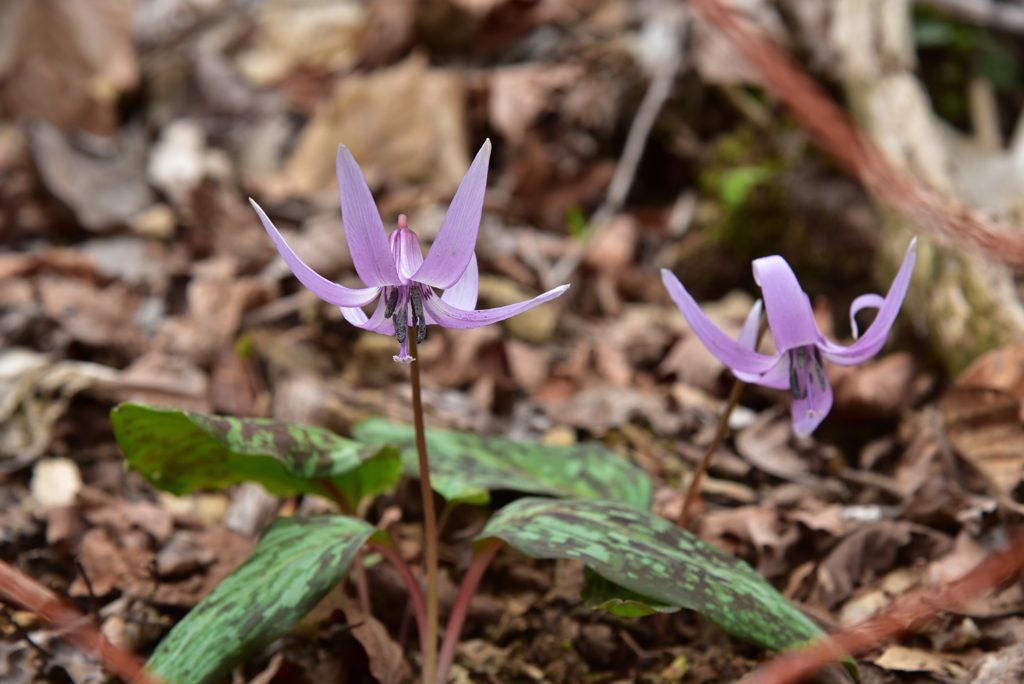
465	468
602	594
181	451
296	563
651	557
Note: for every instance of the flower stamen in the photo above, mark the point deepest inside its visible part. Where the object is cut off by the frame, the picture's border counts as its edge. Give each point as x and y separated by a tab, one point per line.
419	320
389	310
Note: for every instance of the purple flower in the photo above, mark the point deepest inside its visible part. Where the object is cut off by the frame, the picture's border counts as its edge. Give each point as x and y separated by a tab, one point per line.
797	365
394	269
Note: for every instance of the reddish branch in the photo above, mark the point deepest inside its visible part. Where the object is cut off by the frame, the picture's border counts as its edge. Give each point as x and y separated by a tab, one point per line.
834	131
907	614
67	621
458	616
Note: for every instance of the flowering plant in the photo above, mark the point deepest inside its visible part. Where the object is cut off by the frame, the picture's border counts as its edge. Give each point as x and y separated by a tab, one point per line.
797	364
394	269
593	506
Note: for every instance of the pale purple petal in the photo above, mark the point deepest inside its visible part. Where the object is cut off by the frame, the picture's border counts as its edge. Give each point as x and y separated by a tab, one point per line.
463	294
405	245
332	293
364	231
777	377
874	337
865	301
789	310
809	411
375	323
450	253
449	316
727	350
751	326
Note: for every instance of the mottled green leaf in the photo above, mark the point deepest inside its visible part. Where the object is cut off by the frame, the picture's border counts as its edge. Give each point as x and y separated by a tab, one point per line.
465	468
603	594
180	451
650	556
297	561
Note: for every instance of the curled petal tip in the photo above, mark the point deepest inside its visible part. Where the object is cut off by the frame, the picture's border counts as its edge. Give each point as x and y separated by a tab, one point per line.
403	359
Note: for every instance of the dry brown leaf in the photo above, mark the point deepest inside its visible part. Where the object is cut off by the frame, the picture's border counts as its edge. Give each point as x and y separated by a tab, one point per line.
878	388
105	188
984	427
404	124
520	94
871	551
302	33
67	61
1001	369
387	661
904	659
95	317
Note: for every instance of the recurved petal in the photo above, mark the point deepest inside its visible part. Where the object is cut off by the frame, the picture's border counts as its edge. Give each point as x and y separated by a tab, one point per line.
451	251
462	319
874	337
751	326
332	293
776	377
364	231
727	350
789	310
811	408
865	301
375	323
463	294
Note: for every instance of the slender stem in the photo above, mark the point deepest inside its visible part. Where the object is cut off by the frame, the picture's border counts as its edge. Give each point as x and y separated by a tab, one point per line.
429	518
698	474
415	596
363	585
469	584
338	497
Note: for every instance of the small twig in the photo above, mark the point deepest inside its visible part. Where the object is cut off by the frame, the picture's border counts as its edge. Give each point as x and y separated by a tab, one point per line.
93	610
21	633
625	171
702	467
907	614
455	621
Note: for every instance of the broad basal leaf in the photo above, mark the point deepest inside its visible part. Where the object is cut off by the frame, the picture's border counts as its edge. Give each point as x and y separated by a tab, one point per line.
297	561
464	467
180	451
650	556
603	594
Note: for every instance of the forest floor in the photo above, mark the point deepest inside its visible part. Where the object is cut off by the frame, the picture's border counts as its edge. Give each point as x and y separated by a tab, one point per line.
132	268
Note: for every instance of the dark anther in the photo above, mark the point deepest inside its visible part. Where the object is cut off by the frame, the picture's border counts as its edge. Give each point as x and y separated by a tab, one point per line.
819	366
794	376
401	324
389	310
418	318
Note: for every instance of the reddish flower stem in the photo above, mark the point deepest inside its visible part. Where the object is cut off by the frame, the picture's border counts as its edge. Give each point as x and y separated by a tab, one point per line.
702	467
415	596
17	588
429	517
455	621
